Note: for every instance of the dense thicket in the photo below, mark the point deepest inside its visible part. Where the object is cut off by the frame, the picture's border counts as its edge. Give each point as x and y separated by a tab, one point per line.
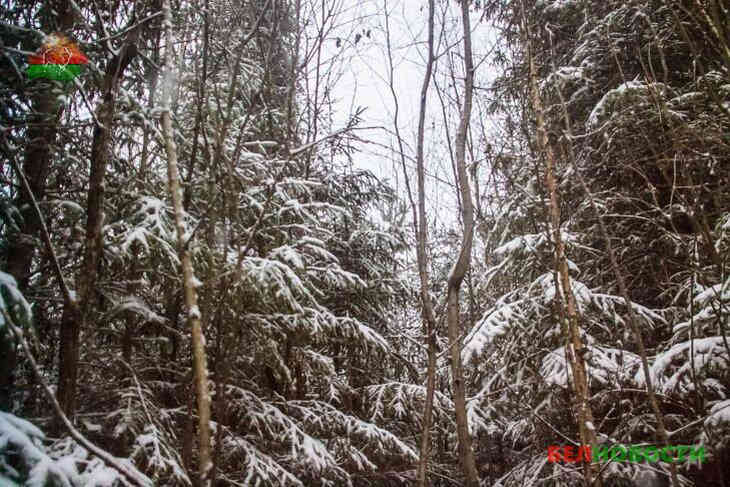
296	282
636	104
317	337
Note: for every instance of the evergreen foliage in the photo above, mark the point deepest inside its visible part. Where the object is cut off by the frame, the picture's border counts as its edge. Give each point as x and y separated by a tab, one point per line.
304	265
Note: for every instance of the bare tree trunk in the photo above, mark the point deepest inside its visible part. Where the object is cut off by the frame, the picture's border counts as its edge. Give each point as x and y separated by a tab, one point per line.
68	352
293	71
574	347
36	167
421	230
200	114
200	368
37	163
429	319
456	277
73	320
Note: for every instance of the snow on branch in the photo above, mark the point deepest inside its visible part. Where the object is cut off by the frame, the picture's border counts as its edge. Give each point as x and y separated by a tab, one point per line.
671	370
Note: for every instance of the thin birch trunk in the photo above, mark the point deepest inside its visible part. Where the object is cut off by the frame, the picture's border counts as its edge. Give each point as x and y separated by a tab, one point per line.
421	230
661	430
574	350
200	368
456	277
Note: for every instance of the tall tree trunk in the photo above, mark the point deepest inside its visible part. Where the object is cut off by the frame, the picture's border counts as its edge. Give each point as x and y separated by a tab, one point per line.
74	318
427	313
37	163
36	167
21	246
569	310
291	124
200	367
456	277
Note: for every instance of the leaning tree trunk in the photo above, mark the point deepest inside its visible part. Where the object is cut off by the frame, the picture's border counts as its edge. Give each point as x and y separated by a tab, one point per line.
568	307
200	367
631	319
456	277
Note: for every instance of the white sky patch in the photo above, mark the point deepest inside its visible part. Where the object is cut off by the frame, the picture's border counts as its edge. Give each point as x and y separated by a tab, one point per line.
357	49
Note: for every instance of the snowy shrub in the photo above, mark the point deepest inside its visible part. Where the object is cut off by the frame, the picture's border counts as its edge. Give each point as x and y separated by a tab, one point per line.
26	459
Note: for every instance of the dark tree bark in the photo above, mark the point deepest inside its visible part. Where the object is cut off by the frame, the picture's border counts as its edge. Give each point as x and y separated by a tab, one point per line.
36	166
76	317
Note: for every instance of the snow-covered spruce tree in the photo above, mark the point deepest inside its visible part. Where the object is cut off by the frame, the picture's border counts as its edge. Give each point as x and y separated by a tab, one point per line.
61	189
296	284
87	133
646	135
27	457
655	153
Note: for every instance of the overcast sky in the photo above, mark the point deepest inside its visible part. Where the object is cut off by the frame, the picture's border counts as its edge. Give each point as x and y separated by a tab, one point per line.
362	66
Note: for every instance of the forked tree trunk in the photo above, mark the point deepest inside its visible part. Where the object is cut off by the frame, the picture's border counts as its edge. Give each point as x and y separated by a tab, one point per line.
569	310
463	262
200	368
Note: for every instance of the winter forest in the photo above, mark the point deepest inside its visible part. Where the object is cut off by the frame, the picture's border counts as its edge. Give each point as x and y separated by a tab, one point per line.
364	243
